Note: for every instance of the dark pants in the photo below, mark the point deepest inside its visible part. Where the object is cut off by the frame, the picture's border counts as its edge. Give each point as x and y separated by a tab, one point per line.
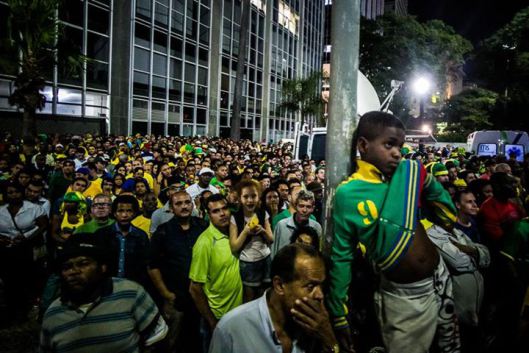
17	274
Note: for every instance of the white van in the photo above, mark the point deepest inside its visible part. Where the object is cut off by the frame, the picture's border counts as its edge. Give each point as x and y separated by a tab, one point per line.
496	142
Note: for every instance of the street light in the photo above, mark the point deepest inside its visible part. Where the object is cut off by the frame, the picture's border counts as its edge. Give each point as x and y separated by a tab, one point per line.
421	85
426	129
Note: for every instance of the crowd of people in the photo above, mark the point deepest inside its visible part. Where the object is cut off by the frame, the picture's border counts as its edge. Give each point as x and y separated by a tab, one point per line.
197	244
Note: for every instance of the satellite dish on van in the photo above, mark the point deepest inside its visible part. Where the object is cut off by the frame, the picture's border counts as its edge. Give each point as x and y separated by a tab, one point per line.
367	98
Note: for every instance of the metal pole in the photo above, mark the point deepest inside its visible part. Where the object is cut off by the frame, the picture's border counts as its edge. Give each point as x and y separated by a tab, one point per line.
345	29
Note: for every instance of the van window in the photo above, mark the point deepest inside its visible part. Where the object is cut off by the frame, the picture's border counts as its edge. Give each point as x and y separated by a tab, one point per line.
318	147
487	149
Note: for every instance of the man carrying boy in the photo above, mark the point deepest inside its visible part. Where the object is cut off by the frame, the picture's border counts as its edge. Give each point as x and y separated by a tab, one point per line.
379	206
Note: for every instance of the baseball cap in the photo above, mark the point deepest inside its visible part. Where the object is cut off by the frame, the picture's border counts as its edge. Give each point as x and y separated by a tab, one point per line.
205	171
83	170
83	244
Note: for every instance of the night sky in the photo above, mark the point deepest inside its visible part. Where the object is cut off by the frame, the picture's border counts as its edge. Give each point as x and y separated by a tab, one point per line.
474	19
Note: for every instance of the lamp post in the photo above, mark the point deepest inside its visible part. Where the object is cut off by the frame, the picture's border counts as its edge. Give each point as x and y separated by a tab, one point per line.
421	86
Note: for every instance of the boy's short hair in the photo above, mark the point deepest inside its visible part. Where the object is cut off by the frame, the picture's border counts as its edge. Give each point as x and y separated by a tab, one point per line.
371	123
213	198
126	199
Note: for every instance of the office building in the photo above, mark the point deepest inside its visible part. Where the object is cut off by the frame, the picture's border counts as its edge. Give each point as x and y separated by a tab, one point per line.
169	66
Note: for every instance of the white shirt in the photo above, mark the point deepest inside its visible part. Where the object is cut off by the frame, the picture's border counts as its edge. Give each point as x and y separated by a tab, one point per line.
25	220
195	190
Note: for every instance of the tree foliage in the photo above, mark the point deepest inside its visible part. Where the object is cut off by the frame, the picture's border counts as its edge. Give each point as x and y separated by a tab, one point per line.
399	48
472	109
501	63
303	96
34	34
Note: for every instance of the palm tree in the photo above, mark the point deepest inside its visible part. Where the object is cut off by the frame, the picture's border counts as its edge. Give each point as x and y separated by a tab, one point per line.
33	38
303	95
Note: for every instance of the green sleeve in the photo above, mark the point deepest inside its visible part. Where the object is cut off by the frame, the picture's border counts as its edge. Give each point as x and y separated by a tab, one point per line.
342	253
200	261
439	201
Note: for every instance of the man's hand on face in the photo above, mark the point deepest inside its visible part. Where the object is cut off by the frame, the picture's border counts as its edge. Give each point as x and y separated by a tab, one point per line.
313	318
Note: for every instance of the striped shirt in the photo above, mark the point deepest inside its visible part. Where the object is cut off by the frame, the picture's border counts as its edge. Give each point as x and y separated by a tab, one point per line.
113	323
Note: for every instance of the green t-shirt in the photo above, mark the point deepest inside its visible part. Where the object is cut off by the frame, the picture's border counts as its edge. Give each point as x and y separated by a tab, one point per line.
93	226
214	265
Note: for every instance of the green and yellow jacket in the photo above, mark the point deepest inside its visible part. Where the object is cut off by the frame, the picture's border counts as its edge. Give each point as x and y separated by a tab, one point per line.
382	215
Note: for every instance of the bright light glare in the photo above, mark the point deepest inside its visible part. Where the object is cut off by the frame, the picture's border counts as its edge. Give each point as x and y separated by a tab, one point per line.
421	85
426	128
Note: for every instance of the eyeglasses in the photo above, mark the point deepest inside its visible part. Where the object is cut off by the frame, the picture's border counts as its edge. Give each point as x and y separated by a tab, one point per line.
101	205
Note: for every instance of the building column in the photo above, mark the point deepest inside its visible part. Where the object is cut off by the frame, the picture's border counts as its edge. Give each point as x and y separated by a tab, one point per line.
215	59
267	56
121	80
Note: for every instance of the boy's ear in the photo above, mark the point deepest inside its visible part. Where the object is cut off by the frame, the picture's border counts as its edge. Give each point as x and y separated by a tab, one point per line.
362	145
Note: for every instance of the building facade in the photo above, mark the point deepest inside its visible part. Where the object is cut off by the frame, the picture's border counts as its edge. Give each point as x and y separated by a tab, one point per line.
169	66
86	28
400	7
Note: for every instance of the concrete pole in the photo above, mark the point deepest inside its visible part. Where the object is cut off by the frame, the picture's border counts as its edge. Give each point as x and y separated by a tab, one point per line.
343	118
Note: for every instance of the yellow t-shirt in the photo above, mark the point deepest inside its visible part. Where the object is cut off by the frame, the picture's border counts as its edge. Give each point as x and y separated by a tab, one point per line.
142	223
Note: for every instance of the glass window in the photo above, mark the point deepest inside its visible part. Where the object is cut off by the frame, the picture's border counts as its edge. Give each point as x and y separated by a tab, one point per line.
189	115
71	96
224	100
173	129
202	95
99	19
223	119
202	76
141	84
191	51
191	29
179	5
201	131
175	69
204	15
228	8
161	15
143	9
201	116
97	47
177	23
97	75
139	127
188	130
175	90
189	93
140	110
142	59
158	87
68	109
203	57
158	129
204	35
176	47
174	113
157	111
72	12
192	9
143	35
190	72
159	64
225	83
160	41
